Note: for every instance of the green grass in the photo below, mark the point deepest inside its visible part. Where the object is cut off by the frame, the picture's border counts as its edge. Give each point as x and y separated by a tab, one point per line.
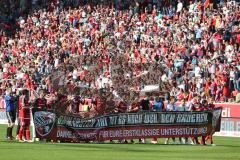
225	149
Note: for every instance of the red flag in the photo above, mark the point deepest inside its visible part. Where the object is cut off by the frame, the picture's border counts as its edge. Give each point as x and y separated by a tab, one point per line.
206	3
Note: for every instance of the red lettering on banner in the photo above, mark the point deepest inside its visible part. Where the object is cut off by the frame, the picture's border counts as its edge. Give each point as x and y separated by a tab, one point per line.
133	132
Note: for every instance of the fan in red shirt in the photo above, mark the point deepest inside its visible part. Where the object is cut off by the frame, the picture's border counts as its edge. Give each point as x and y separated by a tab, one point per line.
135	107
122	107
24	116
226	91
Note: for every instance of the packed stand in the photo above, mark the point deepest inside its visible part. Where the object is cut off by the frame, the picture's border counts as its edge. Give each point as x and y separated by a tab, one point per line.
192	51
99	57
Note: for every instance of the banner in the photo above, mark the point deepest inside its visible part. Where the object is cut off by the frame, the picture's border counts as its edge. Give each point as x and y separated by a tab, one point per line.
230	110
229	127
57	126
216	120
3	117
230	119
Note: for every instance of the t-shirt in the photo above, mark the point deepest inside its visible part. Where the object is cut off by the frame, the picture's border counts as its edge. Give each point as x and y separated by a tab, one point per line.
199	33
145	104
179	7
40	103
197	71
182	108
171	107
10	103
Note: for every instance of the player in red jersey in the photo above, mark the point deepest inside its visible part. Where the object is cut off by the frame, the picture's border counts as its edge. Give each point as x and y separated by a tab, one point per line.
76	102
51	99
62	102
204	107
195	106
99	104
211	107
121	108
135	107
41	102
24	116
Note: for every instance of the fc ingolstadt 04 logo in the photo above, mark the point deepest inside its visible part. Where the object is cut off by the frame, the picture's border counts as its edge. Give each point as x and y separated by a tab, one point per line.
44	122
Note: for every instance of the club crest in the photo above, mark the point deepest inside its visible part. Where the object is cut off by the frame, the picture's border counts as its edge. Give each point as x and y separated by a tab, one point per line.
44	122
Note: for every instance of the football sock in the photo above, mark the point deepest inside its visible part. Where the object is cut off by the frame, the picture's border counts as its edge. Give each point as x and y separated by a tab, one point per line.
17	130
20	133
8	131
28	134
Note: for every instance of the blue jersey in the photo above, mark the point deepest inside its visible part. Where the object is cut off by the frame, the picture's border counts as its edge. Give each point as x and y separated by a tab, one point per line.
10	103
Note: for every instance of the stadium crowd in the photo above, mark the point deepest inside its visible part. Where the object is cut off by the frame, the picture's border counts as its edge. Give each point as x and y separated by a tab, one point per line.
104	54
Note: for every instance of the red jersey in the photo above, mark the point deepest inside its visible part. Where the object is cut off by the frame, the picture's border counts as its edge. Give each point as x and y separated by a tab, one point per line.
196	107
100	105
135	107
24	107
211	106
51	98
122	107
204	108
40	103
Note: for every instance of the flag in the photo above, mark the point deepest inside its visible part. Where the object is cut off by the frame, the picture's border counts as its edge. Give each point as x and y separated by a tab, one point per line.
206	3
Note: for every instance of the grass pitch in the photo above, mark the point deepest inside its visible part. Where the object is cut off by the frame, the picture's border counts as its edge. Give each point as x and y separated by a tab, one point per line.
225	149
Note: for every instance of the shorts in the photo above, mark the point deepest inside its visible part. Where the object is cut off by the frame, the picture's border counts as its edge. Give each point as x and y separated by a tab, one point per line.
11	116
25	121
